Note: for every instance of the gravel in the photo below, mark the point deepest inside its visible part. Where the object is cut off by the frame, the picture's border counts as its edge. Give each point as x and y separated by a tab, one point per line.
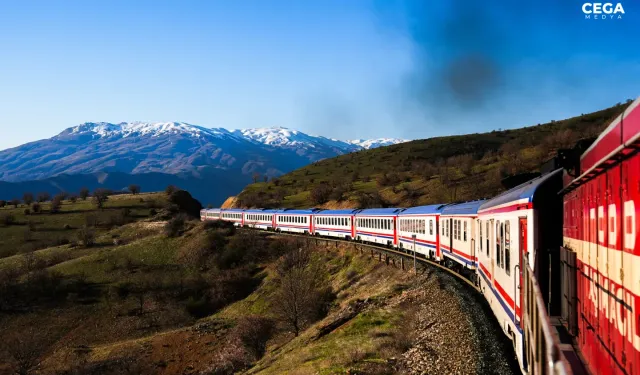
454	331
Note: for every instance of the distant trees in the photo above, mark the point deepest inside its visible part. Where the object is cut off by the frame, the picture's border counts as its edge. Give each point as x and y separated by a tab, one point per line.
265	178
134	189
86	236
43	197
73	198
84	193
100	196
15	203
256	177
3	204
35	207
27	198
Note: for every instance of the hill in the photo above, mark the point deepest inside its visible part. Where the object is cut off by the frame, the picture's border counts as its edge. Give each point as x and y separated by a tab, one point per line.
435	170
183	297
206	188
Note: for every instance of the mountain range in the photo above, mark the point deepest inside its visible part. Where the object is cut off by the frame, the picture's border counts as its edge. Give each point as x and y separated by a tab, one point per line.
223	160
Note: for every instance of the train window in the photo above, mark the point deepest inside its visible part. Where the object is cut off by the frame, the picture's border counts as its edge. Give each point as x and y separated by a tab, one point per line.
465	232
498	242
480	227
447	226
430	227
487	240
455	230
507	248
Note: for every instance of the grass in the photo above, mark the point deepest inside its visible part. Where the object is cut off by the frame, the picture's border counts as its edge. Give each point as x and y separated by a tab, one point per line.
435	170
45	229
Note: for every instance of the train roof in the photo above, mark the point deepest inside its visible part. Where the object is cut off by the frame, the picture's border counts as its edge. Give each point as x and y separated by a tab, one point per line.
466	208
338	212
520	192
262	210
380	211
292	211
232	210
430	209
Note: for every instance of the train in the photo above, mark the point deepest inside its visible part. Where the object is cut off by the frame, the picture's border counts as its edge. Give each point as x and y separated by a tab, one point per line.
556	257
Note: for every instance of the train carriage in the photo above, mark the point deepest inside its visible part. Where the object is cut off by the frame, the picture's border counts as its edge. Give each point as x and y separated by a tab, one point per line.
378	225
260	218
234	215
335	223
458	239
210	214
601	202
295	221
519	228
424	223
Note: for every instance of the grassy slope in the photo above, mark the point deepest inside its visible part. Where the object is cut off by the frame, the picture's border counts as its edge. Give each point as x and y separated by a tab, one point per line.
97	327
49	229
427	171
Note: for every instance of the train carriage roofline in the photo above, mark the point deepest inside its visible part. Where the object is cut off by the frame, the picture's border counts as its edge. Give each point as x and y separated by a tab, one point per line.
345	212
380	211
465	208
295	211
432	209
521	194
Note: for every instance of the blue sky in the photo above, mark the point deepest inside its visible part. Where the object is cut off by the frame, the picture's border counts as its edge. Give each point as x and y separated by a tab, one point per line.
344	69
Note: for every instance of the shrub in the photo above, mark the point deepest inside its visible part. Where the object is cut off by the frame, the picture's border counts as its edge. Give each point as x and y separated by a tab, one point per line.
3	204
86	237
170	190
84	193
254	332
7	219
175	226
36	208
198	307
27	198
321	193
67	227
153	212
27	211
56	204
186	203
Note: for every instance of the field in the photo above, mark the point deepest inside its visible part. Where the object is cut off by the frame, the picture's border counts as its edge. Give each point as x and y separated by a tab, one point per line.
435	170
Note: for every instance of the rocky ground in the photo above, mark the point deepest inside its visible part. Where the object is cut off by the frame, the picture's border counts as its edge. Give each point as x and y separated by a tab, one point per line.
453	331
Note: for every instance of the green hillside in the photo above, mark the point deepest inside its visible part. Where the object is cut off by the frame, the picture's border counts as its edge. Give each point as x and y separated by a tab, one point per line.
435	170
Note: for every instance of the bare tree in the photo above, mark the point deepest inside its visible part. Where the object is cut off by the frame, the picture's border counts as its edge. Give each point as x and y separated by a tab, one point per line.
256	177
27	198
43	197
100	196
25	348
134	189
3	203
15	203
84	193
300	296
56	204
171	189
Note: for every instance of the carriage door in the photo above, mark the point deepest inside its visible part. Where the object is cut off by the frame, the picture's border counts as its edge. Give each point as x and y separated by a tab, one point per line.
522	230
451	232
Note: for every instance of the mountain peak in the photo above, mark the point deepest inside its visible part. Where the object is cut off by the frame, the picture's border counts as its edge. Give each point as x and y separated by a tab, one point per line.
141	128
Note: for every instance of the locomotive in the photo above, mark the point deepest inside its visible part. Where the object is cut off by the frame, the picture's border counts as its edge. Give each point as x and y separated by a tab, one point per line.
555	257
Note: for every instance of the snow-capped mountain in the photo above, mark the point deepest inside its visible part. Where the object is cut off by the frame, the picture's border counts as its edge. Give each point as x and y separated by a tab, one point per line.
170	147
374	143
173	148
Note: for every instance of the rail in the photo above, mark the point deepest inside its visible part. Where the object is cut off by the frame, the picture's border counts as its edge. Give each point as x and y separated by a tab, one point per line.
541	346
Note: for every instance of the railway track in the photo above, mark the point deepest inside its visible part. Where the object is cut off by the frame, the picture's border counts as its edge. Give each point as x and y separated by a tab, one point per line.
406	255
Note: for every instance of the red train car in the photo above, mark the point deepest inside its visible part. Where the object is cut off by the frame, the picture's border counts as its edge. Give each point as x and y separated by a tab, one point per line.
601	202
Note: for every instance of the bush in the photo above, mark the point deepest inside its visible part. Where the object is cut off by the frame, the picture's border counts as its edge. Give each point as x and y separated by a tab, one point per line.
27	211
3	204
186	203
86	237
36	208
153	212
321	193
254	332
7	219
67	227
175	226
198	307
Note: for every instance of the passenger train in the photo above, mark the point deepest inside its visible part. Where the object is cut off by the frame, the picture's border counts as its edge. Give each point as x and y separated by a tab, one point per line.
561	245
